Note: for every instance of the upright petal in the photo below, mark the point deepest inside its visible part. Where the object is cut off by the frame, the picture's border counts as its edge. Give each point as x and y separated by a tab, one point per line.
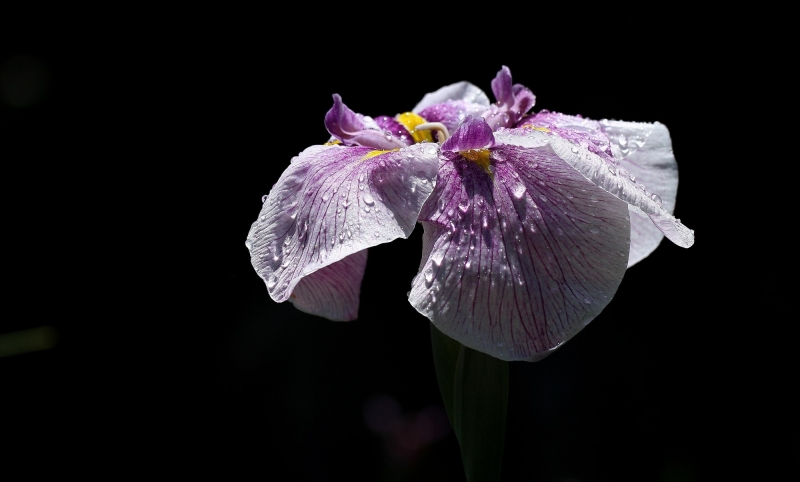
329	205
645	151
607	174
517	262
513	101
357	130
451	113
460	91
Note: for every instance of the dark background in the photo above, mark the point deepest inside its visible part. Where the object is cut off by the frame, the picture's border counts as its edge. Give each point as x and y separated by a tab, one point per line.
137	164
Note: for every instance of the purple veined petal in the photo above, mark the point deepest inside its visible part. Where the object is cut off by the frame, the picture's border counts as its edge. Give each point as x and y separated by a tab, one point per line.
474	133
451	112
332	291
357	130
587	132
513	101
395	129
644	152
605	175
516	263
331	203
460	91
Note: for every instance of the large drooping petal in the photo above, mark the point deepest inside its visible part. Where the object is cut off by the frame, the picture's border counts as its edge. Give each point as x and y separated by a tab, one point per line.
460	91
605	172
519	257
640	151
354	129
644	151
330	204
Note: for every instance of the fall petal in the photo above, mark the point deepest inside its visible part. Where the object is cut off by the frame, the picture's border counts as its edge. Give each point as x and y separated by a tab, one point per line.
644	151
517	261
605	174
332	291
333	202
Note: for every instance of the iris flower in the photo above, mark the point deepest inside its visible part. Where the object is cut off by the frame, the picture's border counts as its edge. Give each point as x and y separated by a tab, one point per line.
530	219
535	218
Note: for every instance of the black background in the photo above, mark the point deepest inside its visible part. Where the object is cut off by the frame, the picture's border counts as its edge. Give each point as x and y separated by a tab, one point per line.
134	174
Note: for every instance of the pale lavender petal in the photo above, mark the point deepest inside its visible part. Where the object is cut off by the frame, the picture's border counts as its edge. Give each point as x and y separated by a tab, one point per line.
474	133
586	132
330	203
451	113
605	174
644	152
462	91
356	130
333	290
516	263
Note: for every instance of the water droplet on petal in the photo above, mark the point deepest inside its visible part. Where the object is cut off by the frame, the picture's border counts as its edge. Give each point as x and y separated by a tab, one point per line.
368	200
656	198
366	209
428	277
263	199
574	150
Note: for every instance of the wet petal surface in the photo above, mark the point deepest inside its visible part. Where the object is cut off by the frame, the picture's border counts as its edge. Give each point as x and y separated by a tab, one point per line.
516	262
607	174
644	151
460	91
330	203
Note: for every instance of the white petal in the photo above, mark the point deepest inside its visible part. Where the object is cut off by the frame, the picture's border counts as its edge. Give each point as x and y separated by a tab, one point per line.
645	151
464	91
605	176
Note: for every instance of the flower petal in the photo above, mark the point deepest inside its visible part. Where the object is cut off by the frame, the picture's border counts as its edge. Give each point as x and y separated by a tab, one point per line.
462	91
333	290
605	174
451	113
645	151
474	133
330	203
516	263
357	130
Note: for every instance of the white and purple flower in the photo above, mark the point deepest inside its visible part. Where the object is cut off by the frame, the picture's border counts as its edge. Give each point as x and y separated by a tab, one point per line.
530	219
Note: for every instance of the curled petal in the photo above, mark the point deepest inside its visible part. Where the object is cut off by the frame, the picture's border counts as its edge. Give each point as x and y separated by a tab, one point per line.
604	174
460	91
331	203
474	133
356	130
513	101
516	263
644	152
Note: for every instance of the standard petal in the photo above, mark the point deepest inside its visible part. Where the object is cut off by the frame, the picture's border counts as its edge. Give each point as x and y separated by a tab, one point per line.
474	133
644	151
516	263
330	203
463	91
451	113
604	173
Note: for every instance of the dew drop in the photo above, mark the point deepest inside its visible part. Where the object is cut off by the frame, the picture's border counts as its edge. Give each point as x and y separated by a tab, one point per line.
424	181
656	198
368	200
272	282
594	230
428	277
324	197
263	199
248	244
574	150
366	209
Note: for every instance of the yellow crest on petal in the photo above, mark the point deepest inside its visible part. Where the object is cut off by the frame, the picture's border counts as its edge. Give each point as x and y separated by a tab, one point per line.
479	157
411	120
536	128
376	153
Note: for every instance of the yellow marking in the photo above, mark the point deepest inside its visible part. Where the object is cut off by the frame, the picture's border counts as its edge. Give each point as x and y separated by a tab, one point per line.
376	153
543	129
411	120
332	143
479	157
